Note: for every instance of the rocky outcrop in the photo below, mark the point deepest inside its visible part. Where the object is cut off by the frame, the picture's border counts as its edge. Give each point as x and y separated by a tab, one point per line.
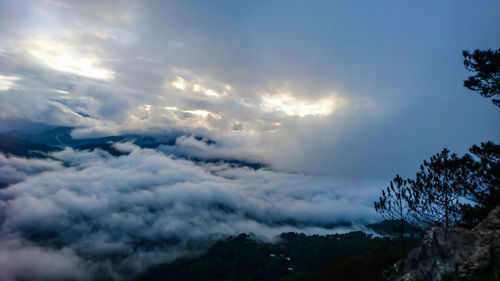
454	254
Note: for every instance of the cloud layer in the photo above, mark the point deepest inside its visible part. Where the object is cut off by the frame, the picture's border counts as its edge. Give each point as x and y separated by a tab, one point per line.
324	88
117	215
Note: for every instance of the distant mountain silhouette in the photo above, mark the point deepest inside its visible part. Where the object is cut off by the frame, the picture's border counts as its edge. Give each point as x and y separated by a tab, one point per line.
386	227
15	146
60	137
22	125
108	147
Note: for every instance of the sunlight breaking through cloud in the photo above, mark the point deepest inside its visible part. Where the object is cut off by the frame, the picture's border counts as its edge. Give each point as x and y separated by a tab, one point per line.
179	83
295	107
7	82
197	112
183	84
67	58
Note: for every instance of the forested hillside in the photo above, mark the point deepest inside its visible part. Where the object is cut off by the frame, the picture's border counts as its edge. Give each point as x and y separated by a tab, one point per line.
351	256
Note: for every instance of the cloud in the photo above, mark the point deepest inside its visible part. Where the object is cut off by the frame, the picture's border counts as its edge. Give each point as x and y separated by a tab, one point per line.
117	215
24	260
14	169
270	75
192	148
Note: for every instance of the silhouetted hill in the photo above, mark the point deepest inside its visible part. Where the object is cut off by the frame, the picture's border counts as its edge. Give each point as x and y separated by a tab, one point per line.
23	148
386	227
108	147
13	125
61	137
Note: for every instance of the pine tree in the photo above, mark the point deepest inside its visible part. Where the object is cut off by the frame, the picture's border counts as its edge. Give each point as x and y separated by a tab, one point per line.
485	193
393	204
486	66
440	184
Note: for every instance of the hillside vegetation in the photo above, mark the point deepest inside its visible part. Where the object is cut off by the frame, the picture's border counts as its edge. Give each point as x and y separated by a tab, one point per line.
295	257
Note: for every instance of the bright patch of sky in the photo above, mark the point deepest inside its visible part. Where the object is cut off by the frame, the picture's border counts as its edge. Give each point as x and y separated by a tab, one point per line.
64	58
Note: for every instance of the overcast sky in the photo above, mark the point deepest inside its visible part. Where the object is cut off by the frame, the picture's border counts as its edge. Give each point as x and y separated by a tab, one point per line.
357	90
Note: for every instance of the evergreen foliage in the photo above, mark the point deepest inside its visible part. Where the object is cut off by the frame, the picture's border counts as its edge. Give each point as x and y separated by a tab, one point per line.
393	204
485	193
486	66
440	184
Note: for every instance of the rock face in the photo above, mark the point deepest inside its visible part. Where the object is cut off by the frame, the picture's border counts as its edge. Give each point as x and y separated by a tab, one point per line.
455	254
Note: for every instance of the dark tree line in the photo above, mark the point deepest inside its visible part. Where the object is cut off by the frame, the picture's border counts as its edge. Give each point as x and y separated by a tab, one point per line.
316	257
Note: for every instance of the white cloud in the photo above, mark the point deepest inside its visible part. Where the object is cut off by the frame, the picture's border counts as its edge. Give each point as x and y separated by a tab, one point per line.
97	206
24	260
15	169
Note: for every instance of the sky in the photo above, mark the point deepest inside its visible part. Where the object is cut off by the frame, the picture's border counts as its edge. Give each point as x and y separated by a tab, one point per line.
336	97
359	90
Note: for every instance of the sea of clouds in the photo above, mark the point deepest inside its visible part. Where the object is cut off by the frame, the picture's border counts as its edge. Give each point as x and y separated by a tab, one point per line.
79	215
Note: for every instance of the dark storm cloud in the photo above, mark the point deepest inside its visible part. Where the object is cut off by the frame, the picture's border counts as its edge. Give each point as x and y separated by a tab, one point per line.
118	215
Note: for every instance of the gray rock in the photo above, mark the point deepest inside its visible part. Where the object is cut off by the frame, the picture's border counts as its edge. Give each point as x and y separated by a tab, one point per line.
454	253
